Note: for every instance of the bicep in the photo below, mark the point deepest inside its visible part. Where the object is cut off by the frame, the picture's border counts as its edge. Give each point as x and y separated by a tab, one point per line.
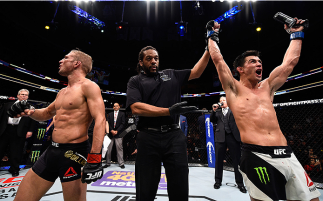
278	77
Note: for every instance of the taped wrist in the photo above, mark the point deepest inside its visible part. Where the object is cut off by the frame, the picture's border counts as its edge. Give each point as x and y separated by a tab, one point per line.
297	35
214	35
94	158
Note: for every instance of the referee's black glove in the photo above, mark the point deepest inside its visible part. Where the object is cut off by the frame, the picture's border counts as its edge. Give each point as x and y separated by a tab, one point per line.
179	108
18	108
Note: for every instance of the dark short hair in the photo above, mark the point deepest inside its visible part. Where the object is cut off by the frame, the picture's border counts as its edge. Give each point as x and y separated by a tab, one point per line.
141	56
239	61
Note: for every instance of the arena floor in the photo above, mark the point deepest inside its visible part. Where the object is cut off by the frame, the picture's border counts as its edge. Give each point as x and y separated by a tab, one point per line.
119	186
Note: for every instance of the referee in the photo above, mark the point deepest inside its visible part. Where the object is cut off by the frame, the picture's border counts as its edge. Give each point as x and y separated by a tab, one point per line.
154	96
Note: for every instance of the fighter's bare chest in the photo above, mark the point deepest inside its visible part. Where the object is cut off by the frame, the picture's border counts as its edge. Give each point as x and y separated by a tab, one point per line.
69	100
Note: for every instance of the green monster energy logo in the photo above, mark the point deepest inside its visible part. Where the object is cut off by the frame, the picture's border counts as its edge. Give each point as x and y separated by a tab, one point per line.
41	133
34	156
261	171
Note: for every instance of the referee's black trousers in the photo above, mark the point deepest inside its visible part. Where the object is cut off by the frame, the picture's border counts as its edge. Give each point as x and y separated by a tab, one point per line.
154	148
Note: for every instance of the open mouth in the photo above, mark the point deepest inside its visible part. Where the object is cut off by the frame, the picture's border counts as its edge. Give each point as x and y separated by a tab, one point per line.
258	72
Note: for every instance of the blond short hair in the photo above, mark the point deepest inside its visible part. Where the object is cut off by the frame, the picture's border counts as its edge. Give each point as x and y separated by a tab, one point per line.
85	59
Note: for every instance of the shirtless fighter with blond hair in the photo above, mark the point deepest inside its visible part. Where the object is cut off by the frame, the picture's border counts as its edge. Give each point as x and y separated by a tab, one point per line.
75	107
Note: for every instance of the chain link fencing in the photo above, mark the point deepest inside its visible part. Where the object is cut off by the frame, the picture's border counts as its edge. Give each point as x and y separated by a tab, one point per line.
300	122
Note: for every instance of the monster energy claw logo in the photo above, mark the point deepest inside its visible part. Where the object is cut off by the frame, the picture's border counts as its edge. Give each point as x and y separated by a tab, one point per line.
262	171
41	133
34	156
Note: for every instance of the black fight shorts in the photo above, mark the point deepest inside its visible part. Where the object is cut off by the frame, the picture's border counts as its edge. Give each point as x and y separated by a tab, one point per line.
62	160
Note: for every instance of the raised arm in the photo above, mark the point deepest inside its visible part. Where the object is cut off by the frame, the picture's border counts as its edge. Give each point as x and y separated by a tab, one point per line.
200	66
96	106
224	72
280	74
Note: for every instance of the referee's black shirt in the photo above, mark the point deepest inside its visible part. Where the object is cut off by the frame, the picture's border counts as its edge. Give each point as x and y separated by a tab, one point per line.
161	90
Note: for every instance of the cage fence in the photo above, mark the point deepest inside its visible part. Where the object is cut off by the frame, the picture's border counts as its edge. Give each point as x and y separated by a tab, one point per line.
300	122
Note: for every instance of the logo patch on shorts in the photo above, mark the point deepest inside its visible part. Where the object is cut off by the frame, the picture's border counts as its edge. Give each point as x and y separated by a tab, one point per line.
263	175
308	180
279	151
70	173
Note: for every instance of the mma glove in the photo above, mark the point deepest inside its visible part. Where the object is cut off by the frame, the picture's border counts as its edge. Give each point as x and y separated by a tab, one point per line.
179	108
210	33
298	34
19	107
92	169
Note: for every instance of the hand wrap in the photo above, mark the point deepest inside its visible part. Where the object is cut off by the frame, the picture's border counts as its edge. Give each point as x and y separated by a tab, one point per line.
93	169
210	33
297	35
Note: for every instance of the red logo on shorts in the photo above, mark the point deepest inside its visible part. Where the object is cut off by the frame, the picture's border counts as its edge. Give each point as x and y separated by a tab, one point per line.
70	172
308	180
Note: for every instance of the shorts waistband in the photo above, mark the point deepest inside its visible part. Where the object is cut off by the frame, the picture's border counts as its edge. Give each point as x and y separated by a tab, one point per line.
69	145
273	151
163	128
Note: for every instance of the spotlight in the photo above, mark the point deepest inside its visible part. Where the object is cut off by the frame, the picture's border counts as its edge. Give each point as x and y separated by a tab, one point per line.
102	31
47	27
121	25
89	18
229	13
258	29
181	28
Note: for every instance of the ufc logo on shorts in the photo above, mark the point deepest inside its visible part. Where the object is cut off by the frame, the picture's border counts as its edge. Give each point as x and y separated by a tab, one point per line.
95	176
279	151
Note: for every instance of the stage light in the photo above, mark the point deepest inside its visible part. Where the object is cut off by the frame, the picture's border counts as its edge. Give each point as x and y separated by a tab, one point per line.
181	27
229	13
47	27
102	31
258	29
90	19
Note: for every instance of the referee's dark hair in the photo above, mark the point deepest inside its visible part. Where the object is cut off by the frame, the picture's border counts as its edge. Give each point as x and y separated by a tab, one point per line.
141	56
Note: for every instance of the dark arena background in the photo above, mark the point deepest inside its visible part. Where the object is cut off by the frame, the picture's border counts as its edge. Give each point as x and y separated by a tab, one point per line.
35	35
